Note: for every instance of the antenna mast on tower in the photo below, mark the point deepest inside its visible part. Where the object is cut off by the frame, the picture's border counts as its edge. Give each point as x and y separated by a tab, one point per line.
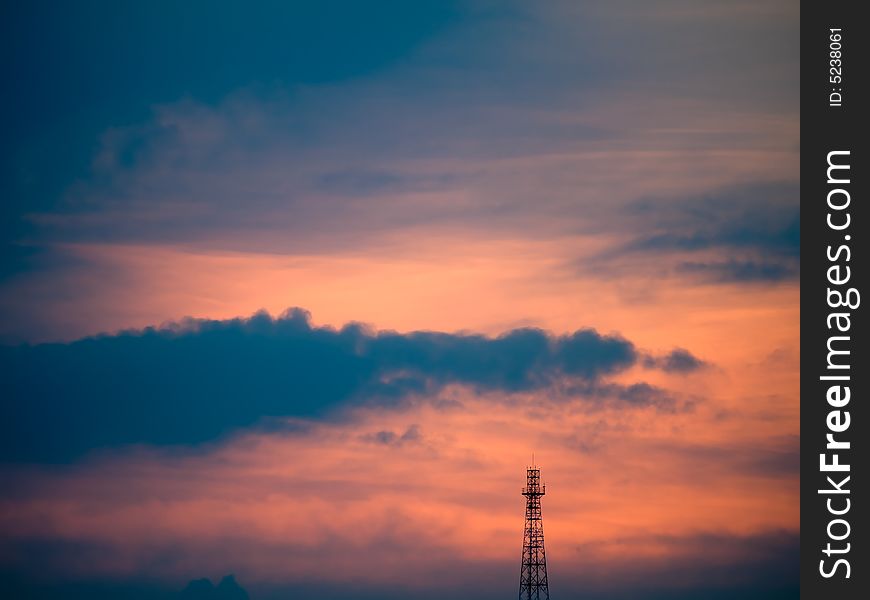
533	573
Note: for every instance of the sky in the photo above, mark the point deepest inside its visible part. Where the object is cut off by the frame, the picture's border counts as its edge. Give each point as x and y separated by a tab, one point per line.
291	294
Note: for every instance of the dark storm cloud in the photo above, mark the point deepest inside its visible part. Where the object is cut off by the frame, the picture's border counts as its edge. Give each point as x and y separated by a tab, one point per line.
192	382
753	230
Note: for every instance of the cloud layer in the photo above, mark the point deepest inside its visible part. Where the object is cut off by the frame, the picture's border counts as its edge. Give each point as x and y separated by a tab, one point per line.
453	123
388	501
194	381
494	186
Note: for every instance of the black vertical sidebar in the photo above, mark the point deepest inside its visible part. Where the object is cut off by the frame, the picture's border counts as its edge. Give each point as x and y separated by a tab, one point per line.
834	260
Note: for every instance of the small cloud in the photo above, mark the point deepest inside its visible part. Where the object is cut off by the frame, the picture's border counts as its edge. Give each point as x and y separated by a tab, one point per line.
644	395
637	395
678	360
391	438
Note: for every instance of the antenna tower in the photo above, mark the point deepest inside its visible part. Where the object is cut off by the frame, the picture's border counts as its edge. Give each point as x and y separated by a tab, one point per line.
533	574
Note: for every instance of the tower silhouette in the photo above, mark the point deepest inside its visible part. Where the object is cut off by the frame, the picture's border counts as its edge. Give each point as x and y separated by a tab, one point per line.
533	573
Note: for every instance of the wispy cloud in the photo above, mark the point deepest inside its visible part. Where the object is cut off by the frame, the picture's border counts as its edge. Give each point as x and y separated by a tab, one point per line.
521	123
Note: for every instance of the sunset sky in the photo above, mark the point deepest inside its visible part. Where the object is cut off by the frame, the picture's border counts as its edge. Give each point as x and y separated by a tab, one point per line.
294	291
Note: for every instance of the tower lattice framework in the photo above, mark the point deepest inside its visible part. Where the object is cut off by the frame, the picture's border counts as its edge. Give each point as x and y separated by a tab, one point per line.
533	574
